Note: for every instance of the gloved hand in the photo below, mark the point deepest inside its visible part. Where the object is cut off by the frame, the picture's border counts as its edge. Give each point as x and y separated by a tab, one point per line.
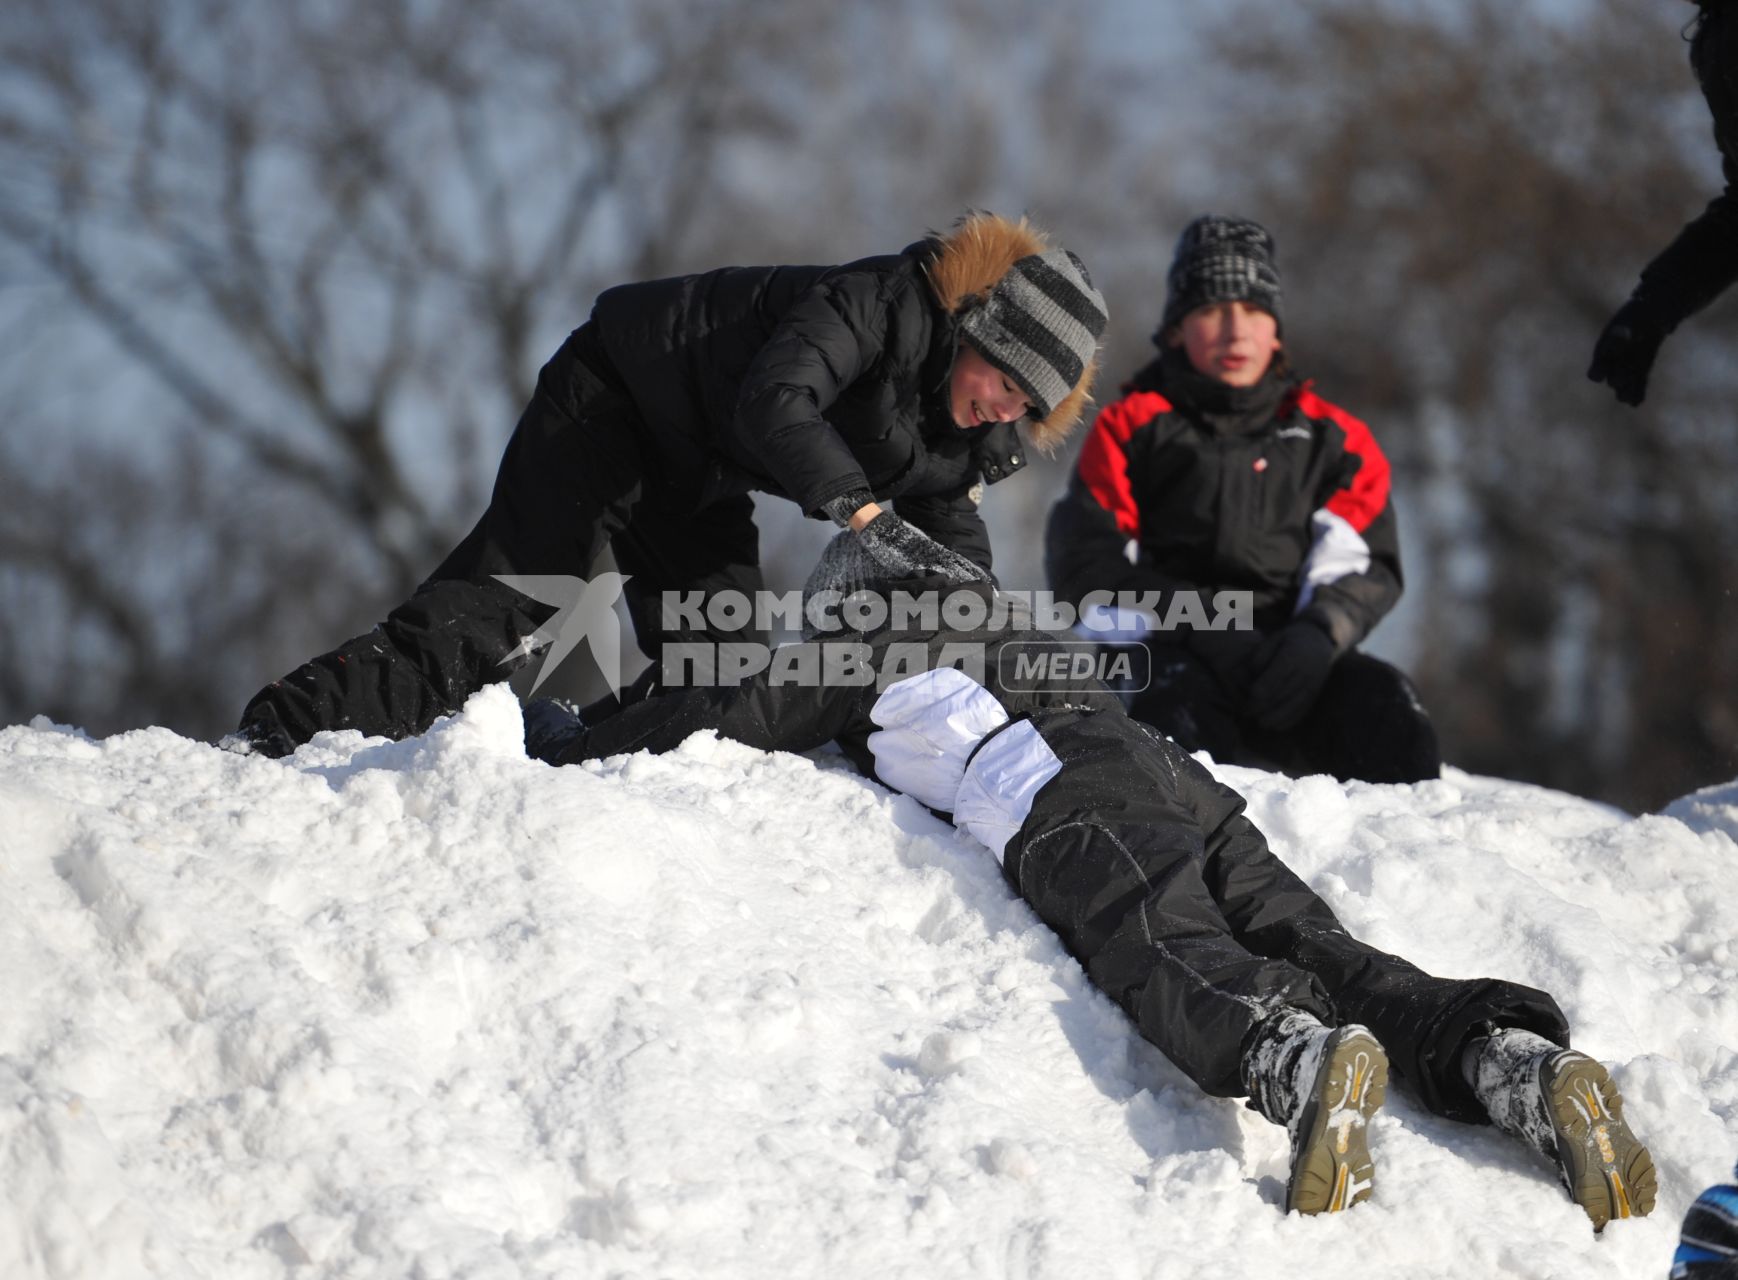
905	551
845	567
1625	352
551	726
1226	654
1290	667
264	735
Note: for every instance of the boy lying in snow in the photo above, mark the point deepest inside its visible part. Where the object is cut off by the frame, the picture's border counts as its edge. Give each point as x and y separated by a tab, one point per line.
1168	896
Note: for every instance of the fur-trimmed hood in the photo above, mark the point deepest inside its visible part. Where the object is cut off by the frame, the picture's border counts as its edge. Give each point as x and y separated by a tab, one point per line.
967	263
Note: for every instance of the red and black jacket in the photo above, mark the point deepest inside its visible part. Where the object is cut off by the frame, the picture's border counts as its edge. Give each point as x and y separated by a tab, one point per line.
1186	484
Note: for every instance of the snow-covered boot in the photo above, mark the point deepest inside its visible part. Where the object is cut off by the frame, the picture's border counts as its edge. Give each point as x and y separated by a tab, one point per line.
1565	1106
1323	1084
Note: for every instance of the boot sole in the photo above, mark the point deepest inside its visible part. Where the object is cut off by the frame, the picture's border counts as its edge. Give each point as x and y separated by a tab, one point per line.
1605	1167
1331	1169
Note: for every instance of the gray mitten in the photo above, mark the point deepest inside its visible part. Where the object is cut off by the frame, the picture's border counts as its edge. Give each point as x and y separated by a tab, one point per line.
846	567
902	550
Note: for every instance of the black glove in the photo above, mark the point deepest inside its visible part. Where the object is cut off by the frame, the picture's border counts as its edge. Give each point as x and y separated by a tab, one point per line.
905	551
1291	666
552	726
263	735
1625	352
1226	654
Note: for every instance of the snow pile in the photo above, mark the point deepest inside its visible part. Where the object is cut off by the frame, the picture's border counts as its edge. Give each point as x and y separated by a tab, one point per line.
432	1009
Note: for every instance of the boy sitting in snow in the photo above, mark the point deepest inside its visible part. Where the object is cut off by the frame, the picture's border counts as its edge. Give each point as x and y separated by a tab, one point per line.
1169	896
1220	469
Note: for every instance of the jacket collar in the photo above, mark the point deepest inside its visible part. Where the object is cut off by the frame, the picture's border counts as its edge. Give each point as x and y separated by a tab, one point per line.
1225	411
999	452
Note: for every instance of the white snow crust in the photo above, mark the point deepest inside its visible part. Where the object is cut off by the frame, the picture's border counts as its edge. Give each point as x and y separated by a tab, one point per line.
433	1009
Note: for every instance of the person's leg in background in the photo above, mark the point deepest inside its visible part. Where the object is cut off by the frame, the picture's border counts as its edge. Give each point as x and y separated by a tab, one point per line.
1188	703
1367	725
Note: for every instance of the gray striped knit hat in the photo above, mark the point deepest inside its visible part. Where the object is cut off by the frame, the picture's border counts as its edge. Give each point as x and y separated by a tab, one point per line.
1040	325
1221	260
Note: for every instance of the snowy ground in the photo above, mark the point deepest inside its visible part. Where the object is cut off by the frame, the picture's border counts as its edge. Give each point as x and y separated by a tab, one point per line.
432	1009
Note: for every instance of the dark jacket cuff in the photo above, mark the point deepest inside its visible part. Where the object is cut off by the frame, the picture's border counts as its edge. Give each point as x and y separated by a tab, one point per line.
841	508
1342	630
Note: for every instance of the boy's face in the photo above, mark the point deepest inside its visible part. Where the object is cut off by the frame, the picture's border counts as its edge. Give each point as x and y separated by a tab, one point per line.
1233	342
980	393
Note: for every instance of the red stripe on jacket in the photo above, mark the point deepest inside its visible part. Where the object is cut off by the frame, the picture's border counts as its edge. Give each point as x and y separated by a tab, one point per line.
1364	499
1104	456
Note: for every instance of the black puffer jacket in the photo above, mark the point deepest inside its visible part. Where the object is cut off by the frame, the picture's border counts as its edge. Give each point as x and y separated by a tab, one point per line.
807	382
1268	489
814	382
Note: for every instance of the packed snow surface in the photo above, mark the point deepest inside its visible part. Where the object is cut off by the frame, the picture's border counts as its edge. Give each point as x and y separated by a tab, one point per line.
433	1009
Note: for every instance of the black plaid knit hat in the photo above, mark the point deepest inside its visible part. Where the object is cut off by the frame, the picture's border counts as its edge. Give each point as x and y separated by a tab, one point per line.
1040	325
1221	260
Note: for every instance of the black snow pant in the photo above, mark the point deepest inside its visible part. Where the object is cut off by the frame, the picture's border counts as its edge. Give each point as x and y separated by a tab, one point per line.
579	474
1154	879
1367	725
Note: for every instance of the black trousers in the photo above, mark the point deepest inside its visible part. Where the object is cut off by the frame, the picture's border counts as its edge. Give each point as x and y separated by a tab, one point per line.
579	474
1154	879
1367	725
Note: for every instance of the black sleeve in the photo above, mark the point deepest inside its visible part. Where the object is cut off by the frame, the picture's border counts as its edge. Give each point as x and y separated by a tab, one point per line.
830	337
1357	491
1703	260
756	713
1350	607
953	520
1697	266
